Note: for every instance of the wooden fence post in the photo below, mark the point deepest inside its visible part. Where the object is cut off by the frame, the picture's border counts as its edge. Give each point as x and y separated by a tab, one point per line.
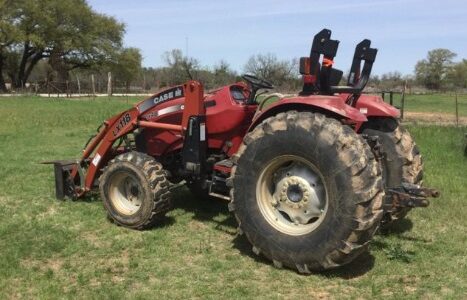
403	100
109	84
79	85
457	112
93	86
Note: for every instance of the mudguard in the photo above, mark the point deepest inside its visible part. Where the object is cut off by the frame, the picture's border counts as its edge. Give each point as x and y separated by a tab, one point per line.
374	106
332	104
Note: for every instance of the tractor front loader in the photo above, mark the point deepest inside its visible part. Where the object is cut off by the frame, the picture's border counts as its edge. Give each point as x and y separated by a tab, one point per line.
309	177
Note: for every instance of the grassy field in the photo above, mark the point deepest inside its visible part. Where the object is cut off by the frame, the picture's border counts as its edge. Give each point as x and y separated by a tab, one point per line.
64	249
439	103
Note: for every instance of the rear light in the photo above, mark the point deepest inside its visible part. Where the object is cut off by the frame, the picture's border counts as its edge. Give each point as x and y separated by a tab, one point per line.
309	79
305	66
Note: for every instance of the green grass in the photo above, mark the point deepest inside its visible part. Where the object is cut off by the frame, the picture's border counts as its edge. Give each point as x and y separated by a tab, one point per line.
430	103
64	249
444	103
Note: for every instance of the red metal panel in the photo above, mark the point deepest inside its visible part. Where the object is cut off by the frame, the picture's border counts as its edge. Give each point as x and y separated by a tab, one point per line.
194	104
374	106
333	104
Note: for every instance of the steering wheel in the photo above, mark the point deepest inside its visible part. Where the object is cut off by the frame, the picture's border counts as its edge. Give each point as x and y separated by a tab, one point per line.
256	84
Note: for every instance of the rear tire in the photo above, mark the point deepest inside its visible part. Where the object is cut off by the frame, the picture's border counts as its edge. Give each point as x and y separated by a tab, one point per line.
134	190
325	156
402	161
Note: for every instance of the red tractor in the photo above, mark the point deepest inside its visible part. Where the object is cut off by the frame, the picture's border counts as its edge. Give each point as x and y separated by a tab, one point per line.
309	177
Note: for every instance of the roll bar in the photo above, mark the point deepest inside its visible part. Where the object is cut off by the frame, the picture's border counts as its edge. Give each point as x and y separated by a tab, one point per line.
321	78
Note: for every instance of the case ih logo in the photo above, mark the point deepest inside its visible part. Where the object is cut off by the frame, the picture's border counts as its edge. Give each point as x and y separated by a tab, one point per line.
169	95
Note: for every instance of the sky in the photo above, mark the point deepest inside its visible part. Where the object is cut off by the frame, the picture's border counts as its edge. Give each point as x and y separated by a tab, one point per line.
210	30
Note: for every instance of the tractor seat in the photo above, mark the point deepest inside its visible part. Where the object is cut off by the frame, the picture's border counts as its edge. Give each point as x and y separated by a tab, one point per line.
330	77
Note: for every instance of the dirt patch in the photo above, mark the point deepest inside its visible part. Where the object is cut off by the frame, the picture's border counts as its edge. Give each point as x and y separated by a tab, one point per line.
434	118
54	264
51	211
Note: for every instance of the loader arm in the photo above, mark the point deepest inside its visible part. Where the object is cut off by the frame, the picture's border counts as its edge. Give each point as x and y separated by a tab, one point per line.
114	128
73	178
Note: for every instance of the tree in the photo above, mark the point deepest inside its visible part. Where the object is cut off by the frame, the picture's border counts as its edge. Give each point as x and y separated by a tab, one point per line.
432	71
127	66
223	74
457	75
391	80
9	34
270	68
179	68
68	32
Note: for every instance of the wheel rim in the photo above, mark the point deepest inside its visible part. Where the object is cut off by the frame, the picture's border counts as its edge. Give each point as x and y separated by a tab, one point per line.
125	193
291	195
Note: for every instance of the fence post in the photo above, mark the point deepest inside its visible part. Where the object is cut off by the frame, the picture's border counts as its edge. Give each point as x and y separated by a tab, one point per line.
382	95
79	85
390	97
93	86
109	84
457	112
403	100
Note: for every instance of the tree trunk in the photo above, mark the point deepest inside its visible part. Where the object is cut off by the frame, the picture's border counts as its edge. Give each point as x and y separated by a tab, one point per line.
2	80
34	60
28	61
22	66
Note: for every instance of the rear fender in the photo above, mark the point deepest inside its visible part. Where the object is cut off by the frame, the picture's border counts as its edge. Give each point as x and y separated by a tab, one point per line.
374	106
331	106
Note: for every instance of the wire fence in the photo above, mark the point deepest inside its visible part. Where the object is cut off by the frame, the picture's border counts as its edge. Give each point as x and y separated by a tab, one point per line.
429	106
85	86
444	108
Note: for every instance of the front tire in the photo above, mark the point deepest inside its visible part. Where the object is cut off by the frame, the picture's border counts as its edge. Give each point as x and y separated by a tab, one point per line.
328	183
134	190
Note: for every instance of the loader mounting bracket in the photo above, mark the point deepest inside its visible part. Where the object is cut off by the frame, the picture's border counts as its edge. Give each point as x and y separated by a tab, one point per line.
65	186
194	147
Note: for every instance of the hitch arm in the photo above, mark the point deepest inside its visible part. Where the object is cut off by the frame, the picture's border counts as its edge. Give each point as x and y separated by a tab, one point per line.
408	195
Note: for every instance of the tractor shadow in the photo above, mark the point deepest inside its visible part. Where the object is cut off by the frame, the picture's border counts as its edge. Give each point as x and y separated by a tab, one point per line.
397	227
358	267
90	197
216	211
207	210
93	197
